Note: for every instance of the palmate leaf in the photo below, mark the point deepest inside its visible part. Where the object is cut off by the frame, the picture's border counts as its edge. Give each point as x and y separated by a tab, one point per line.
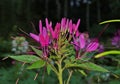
107	53
38	64
25	58
88	66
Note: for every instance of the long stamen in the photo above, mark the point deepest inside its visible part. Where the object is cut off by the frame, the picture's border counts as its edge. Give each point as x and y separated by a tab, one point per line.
24	32
101	32
33	26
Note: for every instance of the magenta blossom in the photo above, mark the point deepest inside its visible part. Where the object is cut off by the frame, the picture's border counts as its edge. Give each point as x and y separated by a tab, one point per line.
43	37
92	46
55	33
81	44
73	28
48	36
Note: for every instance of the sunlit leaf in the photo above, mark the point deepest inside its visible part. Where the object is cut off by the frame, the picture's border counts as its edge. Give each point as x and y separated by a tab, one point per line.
25	58
88	66
38	52
83	73
109	21
37	64
107	53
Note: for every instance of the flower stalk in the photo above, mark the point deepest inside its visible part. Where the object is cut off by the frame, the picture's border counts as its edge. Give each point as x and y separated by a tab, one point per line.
60	71
60	74
70	74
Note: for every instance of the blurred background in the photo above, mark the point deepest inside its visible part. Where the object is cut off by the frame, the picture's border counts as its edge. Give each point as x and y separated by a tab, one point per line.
23	14
16	14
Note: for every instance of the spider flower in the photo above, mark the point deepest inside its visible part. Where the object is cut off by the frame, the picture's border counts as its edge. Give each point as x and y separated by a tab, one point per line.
42	37
48	36
81	44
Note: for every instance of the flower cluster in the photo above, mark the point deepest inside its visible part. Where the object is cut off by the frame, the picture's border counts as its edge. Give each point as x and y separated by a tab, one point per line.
84	45
19	45
116	39
49	37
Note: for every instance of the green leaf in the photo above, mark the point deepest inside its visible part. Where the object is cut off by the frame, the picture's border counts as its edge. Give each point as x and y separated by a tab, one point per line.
82	72
107	53
49	68
38	64
109	21
38	52
88	66
25	58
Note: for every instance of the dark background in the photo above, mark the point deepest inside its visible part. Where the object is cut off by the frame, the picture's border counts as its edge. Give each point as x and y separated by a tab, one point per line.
15	14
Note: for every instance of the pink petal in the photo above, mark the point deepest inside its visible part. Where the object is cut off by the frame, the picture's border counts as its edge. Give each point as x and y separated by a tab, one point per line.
40	26
70	27
57	31
47	24
67	22
46	40
82	41
76	43
50	24
77	33
51	31
42	40
92	46
34	36
77	25
44	32
73	29
63	22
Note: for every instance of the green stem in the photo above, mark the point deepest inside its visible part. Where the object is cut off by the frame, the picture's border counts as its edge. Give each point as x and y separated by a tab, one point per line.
70	74
60	71
60	77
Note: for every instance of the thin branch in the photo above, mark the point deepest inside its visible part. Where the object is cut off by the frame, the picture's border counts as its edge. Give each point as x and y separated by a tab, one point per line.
106	26
24	32
70	74
33	27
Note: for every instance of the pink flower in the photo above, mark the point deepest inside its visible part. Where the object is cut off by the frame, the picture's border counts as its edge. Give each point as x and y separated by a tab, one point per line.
79	42
73	28
77	25
92	46
55	33
82	45
43	37
35	37
70	25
